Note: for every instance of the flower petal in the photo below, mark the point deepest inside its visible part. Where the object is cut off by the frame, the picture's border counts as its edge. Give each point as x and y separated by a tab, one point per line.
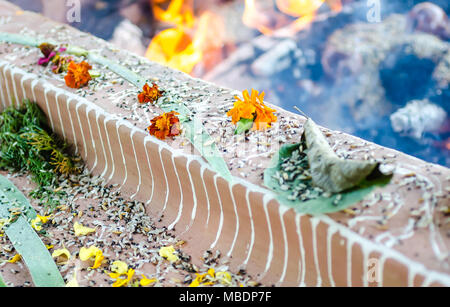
168	252
73	282
87	253
14	259
146	281
119	267
62	252
81	230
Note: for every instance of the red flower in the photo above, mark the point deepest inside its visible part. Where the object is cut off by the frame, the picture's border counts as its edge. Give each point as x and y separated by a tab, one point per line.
149	94
165	125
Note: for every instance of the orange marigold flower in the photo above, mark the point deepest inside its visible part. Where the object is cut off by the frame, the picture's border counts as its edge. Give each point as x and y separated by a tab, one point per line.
77	74
149	94
252	107
165	125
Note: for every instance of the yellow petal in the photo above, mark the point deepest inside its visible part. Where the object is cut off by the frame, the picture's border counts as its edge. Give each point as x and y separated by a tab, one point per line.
61	252
87	253
130	273
35	223
211	272
73	282
43	219
124	281
224	278
114	275
14	259
119	267
196	282
81	230
168	253
98	259
120	282
145	281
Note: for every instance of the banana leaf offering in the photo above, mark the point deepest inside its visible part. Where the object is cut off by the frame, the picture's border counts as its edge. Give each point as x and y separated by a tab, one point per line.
310	177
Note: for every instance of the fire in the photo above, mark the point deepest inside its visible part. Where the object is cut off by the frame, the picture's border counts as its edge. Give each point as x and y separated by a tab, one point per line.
178	12
304	10
193	43
189	41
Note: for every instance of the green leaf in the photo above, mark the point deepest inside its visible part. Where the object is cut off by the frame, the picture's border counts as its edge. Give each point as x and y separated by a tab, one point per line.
27	243
78	51
320	205
2	283
120	70
18	39
94	73
203	142
243	125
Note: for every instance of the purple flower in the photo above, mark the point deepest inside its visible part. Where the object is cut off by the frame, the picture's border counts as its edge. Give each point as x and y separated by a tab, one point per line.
44	61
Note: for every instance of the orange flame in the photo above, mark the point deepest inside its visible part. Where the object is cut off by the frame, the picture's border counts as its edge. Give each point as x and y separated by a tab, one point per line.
184	46
178	12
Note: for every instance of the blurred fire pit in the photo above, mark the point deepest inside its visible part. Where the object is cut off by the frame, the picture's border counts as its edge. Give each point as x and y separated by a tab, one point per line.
383	79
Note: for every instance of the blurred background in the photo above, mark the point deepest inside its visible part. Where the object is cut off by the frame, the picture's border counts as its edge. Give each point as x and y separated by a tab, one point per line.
376	69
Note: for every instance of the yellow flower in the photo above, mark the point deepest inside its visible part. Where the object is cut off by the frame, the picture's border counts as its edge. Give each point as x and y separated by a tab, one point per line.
81	230
120	282
252	107
14	259
92	252
145	281
63	252
168	253
119	267
38	221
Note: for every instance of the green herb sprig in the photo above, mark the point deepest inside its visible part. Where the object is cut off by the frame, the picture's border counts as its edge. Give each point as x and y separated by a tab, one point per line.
27	144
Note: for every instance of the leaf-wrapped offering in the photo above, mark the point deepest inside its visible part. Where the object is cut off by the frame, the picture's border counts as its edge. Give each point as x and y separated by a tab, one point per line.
310	177
328	171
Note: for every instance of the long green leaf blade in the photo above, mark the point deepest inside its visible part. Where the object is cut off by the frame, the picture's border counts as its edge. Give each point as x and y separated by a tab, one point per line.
18	39
27	243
